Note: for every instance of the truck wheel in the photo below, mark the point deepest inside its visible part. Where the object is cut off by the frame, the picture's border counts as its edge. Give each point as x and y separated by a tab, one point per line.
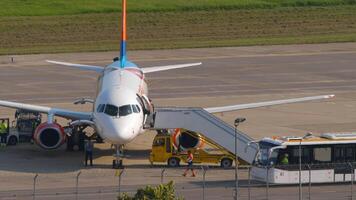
226	163
12	141
173	162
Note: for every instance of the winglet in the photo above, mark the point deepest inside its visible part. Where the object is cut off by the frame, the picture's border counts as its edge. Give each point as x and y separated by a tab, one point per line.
123	36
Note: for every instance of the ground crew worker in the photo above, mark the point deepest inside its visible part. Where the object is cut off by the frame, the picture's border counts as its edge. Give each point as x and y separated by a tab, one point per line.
190	164
3	132
89	152
284	159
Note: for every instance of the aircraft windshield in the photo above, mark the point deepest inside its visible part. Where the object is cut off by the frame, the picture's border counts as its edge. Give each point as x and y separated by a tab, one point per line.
118	111
111	110
125	110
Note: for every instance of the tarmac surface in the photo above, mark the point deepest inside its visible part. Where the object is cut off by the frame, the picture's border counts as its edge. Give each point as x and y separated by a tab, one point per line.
227	76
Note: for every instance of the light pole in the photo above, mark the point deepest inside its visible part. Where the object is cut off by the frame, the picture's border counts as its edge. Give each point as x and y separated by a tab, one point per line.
300	164
237	123
249	169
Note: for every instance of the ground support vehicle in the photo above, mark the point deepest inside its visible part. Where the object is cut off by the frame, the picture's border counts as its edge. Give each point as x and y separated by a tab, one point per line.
328	158
27	121
25	124
12	137
171	148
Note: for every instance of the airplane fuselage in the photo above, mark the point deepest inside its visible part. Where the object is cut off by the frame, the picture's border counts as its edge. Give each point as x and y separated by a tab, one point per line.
118	113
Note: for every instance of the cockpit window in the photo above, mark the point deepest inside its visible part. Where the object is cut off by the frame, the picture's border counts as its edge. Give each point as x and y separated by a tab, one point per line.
138	108
111	110
125	110
100	108
134	108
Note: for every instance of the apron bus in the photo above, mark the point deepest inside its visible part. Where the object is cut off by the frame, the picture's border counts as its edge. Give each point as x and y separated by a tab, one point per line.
327	158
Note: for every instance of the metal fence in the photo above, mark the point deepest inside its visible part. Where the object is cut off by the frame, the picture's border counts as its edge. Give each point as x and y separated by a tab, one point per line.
210	183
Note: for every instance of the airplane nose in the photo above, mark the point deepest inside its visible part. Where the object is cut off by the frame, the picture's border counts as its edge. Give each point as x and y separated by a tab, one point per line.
123	133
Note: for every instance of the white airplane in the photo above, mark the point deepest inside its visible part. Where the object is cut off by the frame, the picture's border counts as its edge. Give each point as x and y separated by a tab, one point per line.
121	106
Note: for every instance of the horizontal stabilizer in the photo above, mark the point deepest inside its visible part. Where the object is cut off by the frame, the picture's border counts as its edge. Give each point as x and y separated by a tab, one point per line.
168	67
80	66
264	104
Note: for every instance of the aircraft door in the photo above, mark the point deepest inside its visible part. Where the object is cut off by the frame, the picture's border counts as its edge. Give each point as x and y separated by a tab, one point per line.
147	108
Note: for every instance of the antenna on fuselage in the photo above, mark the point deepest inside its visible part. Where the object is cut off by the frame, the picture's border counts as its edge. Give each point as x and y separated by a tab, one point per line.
123	36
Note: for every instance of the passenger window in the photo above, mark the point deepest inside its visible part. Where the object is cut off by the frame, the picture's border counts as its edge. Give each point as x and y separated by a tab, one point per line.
125	110
322	154
134	108
294	158
111	110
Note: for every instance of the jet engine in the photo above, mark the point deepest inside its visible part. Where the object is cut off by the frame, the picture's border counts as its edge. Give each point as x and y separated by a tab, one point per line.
49	136
185	139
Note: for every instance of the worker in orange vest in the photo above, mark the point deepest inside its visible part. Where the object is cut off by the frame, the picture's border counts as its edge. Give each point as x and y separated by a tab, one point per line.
190	164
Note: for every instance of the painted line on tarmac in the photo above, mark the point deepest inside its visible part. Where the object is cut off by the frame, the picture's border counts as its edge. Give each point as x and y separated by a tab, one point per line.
222	57
183	58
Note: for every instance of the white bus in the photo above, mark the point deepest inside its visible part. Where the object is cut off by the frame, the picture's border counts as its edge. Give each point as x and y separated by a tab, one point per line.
329	158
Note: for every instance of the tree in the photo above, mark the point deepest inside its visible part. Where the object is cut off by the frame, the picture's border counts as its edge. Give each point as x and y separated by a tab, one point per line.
160	192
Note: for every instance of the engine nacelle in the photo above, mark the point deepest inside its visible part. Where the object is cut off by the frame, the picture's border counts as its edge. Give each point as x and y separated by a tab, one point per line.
185	139
49	136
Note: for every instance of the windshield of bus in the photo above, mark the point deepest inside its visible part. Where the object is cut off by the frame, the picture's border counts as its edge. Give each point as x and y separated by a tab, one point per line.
263	158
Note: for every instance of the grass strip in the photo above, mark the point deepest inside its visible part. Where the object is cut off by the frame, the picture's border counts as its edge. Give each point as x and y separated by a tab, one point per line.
166	30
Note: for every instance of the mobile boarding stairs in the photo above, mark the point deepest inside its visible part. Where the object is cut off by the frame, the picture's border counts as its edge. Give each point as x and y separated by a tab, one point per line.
201	121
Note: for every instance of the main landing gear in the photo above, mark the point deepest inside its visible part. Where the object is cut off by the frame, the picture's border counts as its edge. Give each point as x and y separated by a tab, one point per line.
119	154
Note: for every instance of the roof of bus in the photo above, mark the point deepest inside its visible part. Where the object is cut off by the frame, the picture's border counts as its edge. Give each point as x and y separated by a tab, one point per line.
325	138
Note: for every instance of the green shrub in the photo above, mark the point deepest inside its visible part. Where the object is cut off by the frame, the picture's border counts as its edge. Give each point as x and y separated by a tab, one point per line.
160	192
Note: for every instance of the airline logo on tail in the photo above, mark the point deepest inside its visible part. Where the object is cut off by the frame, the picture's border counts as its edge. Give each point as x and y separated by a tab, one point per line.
123	37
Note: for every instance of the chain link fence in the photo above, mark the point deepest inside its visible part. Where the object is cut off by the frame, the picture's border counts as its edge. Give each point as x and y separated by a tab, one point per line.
210	183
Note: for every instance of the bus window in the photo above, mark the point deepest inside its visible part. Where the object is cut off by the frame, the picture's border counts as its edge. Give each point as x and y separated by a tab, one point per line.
338	154
322	154
349	154
343	153
294	158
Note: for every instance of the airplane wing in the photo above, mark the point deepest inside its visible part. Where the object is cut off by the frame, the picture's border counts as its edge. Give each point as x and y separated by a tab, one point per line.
168	67
43	109
80	66
264	104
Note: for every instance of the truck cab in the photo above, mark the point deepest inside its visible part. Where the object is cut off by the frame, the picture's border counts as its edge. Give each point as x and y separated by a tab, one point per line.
164	151
12	136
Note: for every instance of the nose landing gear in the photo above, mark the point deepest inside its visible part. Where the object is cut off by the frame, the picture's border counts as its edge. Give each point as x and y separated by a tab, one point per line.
119	154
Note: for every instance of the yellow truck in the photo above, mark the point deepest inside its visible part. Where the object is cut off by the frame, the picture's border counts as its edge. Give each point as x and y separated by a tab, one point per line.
171	148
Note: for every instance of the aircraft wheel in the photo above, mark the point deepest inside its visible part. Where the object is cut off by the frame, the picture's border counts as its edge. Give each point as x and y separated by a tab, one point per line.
116	164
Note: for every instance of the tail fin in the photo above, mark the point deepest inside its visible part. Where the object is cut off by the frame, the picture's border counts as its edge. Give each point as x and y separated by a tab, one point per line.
123	36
